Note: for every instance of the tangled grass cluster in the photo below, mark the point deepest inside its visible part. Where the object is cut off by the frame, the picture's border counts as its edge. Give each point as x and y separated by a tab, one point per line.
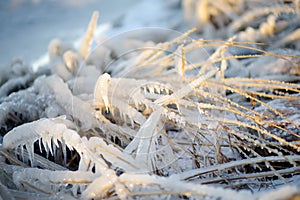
184	118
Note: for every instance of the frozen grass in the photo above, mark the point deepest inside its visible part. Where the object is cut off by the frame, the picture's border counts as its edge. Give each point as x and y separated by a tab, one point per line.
186	118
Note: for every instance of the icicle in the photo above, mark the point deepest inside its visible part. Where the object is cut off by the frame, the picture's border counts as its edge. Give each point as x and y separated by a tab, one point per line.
55	141
40	145
30	150
145	90
16	150
64	150
49	144
151	90
158	88
22	152
54	148
46	148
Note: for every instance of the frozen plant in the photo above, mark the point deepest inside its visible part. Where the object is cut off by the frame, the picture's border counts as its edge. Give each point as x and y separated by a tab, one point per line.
163	122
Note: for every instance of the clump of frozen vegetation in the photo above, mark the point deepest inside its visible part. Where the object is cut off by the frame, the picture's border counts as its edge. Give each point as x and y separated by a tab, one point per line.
185	118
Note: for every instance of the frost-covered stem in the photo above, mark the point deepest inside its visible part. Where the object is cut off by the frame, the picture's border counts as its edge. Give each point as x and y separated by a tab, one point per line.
245	94
264	132
216	54
179	94
87	40
173	185
293	170
54	177
198	172
161	48
142	143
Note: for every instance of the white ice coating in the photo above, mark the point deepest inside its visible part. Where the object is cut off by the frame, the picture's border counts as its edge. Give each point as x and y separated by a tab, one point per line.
72	105
53	177
138	95
177	95
47	132
101	90
143	143
112	154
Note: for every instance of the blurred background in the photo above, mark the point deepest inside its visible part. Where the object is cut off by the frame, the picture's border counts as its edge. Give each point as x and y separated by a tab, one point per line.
27	26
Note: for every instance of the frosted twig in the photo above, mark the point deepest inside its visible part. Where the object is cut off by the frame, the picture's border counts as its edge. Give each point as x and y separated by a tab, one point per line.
198	172
87	39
